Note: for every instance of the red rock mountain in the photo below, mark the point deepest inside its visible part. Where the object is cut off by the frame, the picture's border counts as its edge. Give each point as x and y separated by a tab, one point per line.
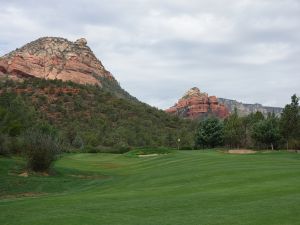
195	104
55	58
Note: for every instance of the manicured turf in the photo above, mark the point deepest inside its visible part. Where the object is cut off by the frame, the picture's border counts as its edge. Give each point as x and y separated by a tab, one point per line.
187	187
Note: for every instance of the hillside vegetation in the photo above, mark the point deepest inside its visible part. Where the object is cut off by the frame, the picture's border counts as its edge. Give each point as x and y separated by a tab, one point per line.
87	116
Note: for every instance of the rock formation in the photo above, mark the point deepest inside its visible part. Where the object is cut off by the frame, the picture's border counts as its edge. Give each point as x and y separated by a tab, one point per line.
245	109
55	58
195	104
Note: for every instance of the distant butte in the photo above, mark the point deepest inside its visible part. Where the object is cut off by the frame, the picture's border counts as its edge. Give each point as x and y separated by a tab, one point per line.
195	104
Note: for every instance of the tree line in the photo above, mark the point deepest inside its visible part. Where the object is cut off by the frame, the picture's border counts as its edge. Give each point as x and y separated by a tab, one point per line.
253	131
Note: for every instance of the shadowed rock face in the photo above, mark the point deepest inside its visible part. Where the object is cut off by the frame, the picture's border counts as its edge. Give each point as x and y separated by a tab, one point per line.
195	104
55	58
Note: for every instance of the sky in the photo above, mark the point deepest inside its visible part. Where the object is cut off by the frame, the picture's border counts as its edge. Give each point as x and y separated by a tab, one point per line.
247	50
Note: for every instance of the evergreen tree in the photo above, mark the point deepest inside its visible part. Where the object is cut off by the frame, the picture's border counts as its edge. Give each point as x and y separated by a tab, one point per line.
248	123
233	130
290	121
209	133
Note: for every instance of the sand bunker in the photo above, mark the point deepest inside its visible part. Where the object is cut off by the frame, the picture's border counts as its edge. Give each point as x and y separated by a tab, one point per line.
241	151
149	155
25	174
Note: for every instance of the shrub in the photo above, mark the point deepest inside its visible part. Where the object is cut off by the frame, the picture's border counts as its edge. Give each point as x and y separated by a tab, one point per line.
78	142
91	149
186	148
41	149
15	144
121	147
4	145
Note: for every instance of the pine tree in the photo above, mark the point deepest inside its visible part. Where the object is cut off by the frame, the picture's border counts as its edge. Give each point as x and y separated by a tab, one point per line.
233	130
290	120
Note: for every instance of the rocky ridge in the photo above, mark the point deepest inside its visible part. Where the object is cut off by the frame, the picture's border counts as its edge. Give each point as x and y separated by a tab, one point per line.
195	104
55	58
245	109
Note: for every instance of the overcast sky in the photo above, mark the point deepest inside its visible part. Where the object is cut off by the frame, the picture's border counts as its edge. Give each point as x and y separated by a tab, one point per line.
248	50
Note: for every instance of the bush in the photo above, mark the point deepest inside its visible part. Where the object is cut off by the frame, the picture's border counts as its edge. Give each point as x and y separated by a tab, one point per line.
4	145
15	144
41	149
121	147
186	148
78	142
91	149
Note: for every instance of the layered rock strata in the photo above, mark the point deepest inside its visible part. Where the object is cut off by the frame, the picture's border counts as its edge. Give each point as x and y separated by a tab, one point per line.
55	58
195	104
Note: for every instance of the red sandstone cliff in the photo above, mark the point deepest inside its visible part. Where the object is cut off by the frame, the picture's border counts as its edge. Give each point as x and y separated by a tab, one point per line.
55	58
195	104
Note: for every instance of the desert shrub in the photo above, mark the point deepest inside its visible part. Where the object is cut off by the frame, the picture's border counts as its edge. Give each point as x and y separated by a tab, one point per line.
121	147
41	149
78	142
15	144
92	139
91	149
186	148
4	145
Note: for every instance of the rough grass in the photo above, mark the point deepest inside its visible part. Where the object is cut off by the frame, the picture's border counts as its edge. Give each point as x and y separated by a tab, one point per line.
187	187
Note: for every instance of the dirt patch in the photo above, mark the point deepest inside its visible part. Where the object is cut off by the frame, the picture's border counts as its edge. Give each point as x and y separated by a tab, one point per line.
24	174
241	151
45	174
22	195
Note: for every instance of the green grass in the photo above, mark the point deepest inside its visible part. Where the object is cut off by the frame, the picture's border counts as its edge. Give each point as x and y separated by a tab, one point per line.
186	187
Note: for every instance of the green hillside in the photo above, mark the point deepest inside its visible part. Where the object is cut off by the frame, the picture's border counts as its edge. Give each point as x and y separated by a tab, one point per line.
87	115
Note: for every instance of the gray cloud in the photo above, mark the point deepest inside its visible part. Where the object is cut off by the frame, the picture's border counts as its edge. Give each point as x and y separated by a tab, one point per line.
241	49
